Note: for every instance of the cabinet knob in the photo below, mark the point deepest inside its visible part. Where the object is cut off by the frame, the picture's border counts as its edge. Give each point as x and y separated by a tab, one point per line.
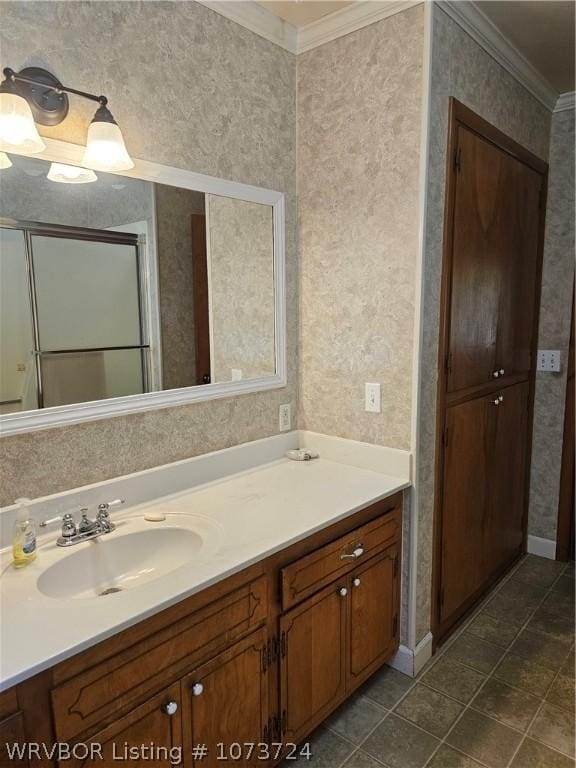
356	582
197	689
501	398
495	374
342	591
501	371
497	401
355	554
170	708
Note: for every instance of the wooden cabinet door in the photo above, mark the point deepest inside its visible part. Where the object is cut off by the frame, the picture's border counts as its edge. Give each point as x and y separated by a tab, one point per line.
468	435
494	264
150	735
226	701
373	617
313	662
12	733
504	524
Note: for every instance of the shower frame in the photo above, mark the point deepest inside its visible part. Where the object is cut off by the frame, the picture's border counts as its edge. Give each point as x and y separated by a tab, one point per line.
31	228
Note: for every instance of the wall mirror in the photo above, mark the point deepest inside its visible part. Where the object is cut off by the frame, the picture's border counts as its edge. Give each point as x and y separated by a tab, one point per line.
127	292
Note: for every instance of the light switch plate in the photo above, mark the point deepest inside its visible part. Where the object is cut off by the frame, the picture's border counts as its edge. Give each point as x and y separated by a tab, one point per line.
373	402
236	374
285	418
549	360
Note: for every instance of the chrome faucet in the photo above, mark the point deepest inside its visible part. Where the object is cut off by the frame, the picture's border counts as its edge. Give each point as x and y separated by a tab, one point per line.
86	529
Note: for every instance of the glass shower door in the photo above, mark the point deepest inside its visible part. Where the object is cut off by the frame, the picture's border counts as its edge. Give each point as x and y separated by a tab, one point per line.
90	336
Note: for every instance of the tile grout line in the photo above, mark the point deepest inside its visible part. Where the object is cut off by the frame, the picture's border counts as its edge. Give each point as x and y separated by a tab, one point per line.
491	674
548	689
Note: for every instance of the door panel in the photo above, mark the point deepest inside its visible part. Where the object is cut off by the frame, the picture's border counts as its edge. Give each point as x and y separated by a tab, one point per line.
469	434
494	260
231	704
503	531
312	668
373	615
157	722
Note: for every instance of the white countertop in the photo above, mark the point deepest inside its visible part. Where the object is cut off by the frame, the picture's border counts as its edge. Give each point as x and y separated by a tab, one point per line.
255	513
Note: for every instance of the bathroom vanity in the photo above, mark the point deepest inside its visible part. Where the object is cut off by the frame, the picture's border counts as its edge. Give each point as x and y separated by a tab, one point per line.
262	655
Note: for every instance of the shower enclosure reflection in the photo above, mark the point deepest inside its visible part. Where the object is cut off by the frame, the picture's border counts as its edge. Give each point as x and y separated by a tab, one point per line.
124	287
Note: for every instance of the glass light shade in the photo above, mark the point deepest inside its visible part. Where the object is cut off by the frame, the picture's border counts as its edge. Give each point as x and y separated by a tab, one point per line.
17	127
5	161
70	174
105	148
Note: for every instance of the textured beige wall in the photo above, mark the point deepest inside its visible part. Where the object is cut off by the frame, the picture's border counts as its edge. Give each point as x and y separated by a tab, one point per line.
174	208
554	333
241	279
359	107
462	69
193	90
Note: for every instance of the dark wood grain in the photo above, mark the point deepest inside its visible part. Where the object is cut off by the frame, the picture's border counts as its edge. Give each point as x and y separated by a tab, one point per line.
490	294
565	537
201	298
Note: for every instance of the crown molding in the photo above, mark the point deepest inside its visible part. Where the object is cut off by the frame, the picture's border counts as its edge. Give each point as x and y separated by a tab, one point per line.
347	20
257	19
471	19
565	101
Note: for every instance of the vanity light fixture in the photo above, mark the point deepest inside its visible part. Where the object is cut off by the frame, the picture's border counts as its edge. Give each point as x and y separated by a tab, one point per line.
5	161
35	95
70	174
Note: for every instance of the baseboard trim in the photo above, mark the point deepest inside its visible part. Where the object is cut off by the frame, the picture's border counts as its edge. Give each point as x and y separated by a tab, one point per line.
409	661
542	547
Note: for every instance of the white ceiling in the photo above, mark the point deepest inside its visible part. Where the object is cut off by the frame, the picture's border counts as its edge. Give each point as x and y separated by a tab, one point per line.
543	31
302	12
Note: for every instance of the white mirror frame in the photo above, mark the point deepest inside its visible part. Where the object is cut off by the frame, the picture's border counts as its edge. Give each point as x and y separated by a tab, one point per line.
29	421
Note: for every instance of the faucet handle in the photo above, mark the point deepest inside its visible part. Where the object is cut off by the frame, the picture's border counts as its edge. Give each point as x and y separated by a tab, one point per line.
68	526
105	506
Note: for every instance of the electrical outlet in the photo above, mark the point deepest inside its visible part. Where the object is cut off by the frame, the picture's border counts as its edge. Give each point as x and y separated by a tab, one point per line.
236	374
373	402
549	360
285	418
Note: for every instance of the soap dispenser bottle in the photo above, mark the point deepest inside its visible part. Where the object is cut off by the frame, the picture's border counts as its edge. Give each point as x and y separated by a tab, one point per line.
24	541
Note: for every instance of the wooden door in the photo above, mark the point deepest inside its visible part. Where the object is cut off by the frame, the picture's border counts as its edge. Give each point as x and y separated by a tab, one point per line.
313	661
157	722
373	616
503	528
493	265
201	298
11	734
225	701
468	435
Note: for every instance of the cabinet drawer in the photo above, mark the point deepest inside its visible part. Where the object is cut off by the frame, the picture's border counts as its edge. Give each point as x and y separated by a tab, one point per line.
318	569
93	696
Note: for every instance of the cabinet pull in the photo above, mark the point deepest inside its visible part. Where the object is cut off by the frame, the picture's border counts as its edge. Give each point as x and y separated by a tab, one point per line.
495	374
356	582
355	554
501	371
170	708
197	689
342	591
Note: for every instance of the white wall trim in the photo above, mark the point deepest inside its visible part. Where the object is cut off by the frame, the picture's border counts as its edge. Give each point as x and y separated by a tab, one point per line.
410	662
347	20
565	101
257	19
468	16
29	421
542	547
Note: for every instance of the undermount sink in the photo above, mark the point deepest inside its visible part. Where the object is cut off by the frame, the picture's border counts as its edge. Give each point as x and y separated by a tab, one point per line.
122	561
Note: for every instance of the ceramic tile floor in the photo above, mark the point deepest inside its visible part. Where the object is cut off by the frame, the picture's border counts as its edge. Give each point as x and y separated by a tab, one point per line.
499	694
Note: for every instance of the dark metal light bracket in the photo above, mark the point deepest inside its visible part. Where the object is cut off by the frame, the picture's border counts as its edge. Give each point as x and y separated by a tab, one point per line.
45	94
